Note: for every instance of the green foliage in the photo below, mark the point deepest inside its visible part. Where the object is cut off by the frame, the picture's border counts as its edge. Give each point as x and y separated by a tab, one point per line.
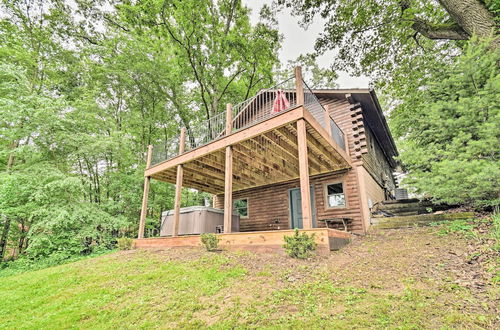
486	229
461	227
448	129
80	100
210	241
125	243
300	245
25	264
372	37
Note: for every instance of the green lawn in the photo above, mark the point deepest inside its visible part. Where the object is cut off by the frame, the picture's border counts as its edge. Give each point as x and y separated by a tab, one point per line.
406	279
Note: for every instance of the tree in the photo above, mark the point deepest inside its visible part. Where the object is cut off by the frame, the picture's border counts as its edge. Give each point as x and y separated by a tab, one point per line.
80	100
448	130
375	36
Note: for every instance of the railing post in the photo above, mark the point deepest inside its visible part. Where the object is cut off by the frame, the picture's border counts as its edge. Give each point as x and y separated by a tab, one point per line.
229	119
299	85
144	206
346	144
327	122
178	186
182	141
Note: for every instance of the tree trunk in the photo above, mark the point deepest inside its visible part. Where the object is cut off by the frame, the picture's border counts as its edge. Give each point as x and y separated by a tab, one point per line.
22	238
3	238
10	160
471	15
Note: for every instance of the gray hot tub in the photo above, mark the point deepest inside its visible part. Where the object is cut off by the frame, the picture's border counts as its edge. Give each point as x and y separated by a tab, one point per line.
195	220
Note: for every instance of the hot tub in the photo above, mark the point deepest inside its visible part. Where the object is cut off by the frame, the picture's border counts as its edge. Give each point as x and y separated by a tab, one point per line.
196	220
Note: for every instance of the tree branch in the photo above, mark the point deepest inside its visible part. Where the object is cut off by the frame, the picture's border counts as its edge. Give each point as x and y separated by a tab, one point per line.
439	31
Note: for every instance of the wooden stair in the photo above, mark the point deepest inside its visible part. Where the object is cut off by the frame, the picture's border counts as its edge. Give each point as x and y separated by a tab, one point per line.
406	207
411	212
418	220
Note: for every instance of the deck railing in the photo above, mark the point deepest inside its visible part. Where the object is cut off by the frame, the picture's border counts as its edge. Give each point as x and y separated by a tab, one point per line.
316	109
166	150
337	134
265	104
206	131
313	105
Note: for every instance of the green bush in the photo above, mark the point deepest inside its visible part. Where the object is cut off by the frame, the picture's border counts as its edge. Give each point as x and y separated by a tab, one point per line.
24	263
210	241
125	243
300	246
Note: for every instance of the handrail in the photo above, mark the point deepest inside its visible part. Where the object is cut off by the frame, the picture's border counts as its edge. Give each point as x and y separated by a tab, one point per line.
318	111
265	104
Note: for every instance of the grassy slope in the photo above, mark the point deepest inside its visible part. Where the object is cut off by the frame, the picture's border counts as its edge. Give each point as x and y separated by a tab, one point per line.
402	278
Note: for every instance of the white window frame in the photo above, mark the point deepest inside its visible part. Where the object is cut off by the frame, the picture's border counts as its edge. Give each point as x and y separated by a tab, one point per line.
325	195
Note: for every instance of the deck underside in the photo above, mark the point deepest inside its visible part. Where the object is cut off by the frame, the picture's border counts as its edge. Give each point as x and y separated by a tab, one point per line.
261	241
269	156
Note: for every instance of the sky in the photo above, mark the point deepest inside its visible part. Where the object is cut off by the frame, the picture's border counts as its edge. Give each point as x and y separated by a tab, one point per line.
298	41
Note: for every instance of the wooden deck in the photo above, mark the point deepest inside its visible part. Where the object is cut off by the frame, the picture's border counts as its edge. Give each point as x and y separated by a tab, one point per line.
263	154
294	143
259	241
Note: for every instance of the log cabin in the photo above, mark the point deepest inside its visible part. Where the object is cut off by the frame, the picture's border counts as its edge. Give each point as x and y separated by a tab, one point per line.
287	158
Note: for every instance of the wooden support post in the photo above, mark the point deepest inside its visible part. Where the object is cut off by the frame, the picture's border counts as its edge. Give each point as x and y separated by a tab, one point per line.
363	196
178	186
144	207
229	119
305	192
299	85
228	180
228	191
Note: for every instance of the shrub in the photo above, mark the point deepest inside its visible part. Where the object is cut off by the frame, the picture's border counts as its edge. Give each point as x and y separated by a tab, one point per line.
125	243
300	246
210	241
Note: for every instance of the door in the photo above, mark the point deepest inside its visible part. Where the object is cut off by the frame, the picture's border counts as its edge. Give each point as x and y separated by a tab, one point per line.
296	208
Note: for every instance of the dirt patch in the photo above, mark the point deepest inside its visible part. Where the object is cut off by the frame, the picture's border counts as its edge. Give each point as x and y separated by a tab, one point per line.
450	270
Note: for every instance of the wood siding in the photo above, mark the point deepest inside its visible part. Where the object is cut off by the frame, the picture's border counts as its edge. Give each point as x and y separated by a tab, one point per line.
269	207
376	163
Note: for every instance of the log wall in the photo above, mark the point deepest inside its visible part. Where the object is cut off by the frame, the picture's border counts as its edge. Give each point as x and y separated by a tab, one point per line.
268	207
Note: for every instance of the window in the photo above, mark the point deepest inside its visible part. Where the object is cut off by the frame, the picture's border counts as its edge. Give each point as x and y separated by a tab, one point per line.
335	196
240	206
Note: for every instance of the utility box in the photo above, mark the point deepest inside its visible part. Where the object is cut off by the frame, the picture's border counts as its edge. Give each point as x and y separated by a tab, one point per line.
401	193
196	220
